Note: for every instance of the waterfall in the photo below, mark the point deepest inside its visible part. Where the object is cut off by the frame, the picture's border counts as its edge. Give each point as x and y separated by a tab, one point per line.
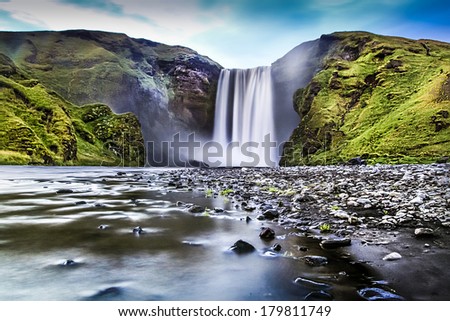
244	121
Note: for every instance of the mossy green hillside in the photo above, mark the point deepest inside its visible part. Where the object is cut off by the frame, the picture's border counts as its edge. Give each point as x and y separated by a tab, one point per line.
384	98
40	127
174	84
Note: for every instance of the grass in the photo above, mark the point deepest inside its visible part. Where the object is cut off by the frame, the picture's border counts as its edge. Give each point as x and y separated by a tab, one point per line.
226	192
365	107
40	127
325	228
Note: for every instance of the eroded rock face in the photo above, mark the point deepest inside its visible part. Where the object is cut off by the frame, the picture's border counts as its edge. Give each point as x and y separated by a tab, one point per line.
343	111
170	89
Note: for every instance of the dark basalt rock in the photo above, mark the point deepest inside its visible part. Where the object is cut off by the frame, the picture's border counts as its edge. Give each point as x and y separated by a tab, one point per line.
106	294
64	191
276	247
70	263
196	209
242	247
271	214
138	230
267	234
335	243
315	260
377	294
357	161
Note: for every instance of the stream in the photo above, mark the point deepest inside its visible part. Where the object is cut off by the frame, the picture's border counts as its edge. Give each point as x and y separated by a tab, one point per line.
66	233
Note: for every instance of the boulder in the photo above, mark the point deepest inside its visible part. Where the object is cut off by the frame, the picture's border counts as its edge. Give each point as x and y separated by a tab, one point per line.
267	234
424	232
392	257
315	260
334	243
242	247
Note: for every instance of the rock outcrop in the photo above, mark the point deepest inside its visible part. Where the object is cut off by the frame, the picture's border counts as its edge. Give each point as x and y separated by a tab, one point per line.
170	89
40	127
384	99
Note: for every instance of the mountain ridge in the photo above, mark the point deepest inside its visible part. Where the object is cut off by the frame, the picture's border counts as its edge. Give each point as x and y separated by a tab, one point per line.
374	96
170	89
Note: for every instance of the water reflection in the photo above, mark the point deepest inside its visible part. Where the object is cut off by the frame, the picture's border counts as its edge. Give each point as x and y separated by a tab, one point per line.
51	246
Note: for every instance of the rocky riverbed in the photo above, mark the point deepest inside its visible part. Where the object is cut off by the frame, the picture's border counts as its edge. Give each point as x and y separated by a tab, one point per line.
304	233
394	218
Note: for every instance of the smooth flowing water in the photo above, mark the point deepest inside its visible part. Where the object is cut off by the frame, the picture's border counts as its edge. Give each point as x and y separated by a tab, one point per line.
51	246
244	117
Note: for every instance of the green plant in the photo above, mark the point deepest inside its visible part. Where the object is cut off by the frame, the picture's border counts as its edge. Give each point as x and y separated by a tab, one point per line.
335	208
226	192
209	192
325	228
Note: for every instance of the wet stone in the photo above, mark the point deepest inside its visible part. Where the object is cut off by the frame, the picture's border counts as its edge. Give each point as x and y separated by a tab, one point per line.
103	227
64	191
377	294
335	243
242	247
69	263
315	260
276	247
311	284
138	230
392	257
271	214
107	294
267	234
196	209
423	232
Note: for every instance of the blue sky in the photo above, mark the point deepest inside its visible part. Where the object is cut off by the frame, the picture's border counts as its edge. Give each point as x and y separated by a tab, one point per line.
235	33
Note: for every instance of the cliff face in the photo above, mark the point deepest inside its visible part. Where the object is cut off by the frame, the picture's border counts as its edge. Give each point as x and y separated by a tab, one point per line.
169	88
383	98
40	127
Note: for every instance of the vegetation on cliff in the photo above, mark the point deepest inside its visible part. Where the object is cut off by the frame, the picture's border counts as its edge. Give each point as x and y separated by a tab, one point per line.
40	127
386	99
170	89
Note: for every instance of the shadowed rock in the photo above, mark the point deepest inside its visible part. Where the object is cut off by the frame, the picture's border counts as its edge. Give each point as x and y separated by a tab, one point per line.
267	234
335	243
242	247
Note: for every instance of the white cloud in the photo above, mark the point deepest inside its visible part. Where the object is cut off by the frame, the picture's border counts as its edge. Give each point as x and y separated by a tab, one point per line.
171	22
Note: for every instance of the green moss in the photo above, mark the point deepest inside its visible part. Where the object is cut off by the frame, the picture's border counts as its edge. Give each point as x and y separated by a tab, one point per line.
39	127
387	103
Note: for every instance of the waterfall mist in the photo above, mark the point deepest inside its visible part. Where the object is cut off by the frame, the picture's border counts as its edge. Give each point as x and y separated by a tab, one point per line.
255	113
244	121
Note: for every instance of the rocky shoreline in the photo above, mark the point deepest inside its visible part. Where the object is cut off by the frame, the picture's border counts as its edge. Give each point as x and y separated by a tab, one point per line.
394	218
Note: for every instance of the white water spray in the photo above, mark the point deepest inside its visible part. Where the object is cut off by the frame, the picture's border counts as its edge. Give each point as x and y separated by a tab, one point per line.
244	122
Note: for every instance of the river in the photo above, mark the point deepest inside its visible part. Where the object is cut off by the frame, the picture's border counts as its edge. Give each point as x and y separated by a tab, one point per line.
66	233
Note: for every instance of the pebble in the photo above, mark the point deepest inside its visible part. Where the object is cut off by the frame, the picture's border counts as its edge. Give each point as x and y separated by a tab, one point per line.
377	294
242	247
423	232
392	257
315	260
267	233
366	198
334	243
311	284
